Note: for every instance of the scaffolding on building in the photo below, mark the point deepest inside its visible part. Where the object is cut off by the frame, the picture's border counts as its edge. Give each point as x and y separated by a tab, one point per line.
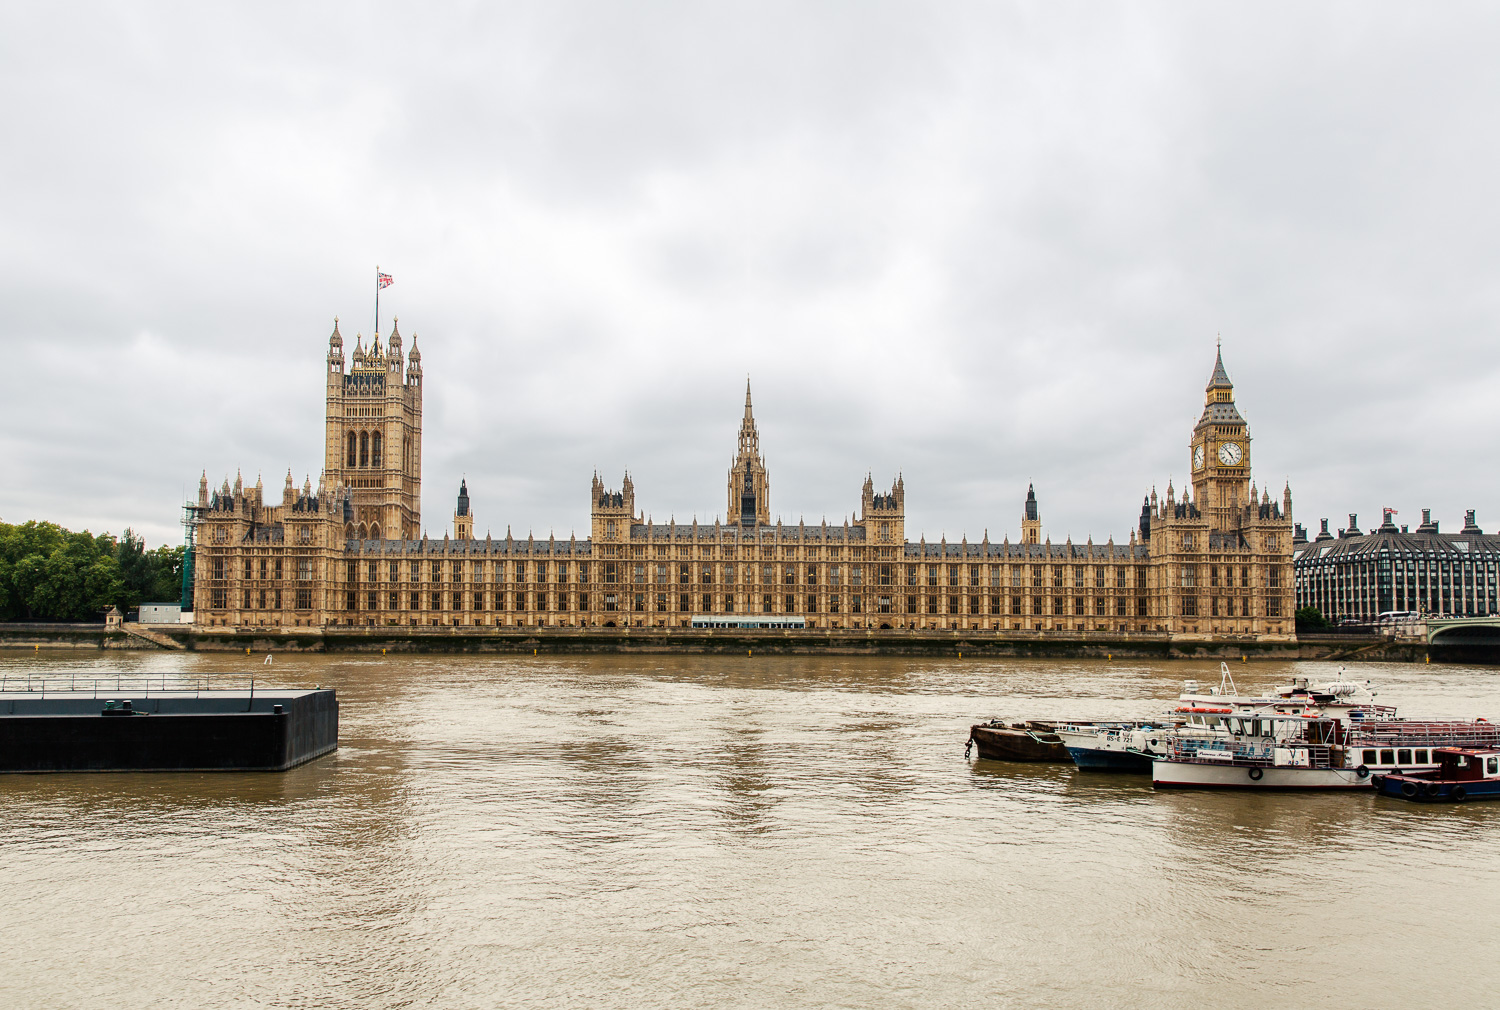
191	518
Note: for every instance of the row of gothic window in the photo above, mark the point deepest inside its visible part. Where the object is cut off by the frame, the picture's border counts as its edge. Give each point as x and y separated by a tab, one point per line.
363	449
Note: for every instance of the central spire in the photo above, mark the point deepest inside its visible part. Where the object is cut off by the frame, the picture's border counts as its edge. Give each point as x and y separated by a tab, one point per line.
749	487
749	436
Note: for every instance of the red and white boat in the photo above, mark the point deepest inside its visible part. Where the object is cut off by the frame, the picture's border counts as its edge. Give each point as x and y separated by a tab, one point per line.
1277	750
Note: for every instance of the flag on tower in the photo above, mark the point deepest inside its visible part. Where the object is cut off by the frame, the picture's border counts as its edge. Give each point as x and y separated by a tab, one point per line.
383	280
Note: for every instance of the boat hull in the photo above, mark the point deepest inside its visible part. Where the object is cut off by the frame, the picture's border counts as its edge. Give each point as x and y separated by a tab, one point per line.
1095	760
1425	790
996	743
1197	775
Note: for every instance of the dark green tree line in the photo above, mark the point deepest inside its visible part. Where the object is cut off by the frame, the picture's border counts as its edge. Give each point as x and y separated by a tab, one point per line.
48	573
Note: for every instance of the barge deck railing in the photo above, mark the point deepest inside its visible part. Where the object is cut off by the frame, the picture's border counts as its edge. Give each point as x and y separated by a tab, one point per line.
143	684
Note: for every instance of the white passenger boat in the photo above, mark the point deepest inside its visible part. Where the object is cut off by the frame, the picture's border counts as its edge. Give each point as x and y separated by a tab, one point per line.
1202	713
1275	750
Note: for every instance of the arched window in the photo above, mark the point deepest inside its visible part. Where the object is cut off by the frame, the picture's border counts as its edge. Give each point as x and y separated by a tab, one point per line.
364	448
364	534
375	441
352	445
375	530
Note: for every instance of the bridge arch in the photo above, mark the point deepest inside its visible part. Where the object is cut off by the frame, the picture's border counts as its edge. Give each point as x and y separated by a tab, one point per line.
1464	631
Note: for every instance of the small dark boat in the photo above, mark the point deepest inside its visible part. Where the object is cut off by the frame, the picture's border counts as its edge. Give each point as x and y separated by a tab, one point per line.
1463	773
1018	741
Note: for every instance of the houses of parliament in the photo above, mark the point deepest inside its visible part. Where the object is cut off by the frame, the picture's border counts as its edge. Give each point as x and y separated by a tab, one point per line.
1214	563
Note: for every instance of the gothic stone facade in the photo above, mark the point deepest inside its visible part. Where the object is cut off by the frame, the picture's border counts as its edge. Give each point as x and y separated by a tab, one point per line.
1215	563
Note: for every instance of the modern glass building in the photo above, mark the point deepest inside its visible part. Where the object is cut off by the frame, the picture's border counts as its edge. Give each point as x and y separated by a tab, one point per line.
1364	577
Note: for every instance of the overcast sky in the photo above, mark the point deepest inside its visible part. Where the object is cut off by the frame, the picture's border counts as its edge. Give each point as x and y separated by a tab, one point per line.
982	245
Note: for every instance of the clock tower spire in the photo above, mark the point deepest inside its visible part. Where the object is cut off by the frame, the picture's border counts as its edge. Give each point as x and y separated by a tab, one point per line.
1220	451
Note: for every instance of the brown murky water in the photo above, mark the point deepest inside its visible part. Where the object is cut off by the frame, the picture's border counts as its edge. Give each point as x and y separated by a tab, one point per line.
732	832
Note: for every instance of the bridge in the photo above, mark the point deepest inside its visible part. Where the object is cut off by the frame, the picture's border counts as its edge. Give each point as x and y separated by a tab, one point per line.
1464	631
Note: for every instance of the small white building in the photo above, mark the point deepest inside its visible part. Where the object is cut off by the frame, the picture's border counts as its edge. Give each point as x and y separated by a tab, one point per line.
161	613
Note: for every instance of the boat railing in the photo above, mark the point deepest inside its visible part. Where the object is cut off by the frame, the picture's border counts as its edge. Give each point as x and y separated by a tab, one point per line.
1372	713
1427	733
141	684
1206	749
1257	752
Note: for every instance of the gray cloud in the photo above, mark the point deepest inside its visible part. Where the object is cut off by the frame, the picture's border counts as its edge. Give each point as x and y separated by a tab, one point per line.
982	245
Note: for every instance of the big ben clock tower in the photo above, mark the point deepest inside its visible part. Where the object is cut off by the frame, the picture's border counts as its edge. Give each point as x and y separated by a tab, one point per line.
1220	450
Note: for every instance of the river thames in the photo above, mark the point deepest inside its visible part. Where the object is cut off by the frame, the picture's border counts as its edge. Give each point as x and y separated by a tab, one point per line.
651	831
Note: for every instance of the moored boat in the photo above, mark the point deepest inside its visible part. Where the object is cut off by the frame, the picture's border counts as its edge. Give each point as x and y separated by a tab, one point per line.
1020	741
1114	746
1274	750
1463	773
1202	713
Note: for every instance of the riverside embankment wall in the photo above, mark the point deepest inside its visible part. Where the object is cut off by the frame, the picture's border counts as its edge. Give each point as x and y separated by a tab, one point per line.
719	641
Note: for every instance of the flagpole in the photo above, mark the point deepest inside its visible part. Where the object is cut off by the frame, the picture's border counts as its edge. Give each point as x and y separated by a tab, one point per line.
377	300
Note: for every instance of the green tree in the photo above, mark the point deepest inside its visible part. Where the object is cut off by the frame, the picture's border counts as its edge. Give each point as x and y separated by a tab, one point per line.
147	576
1310	619
48	573
166	574
51	574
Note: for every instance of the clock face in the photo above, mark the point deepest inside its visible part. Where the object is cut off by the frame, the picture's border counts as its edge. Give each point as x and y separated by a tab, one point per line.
1198	458
1230	454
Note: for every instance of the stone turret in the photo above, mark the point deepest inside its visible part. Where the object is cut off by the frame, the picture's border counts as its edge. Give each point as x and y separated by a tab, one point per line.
1031	518
463	522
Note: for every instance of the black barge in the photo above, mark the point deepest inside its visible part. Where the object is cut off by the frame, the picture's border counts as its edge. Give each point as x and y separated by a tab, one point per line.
105	729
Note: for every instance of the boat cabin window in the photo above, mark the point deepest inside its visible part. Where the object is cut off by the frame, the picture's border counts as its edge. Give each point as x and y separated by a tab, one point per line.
1368	757
1421	757
1403	757
1492	766
1387	757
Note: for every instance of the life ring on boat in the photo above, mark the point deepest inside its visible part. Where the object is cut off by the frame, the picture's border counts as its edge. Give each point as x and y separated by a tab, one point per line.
1458	794
1409	790
1257	773
1363	771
